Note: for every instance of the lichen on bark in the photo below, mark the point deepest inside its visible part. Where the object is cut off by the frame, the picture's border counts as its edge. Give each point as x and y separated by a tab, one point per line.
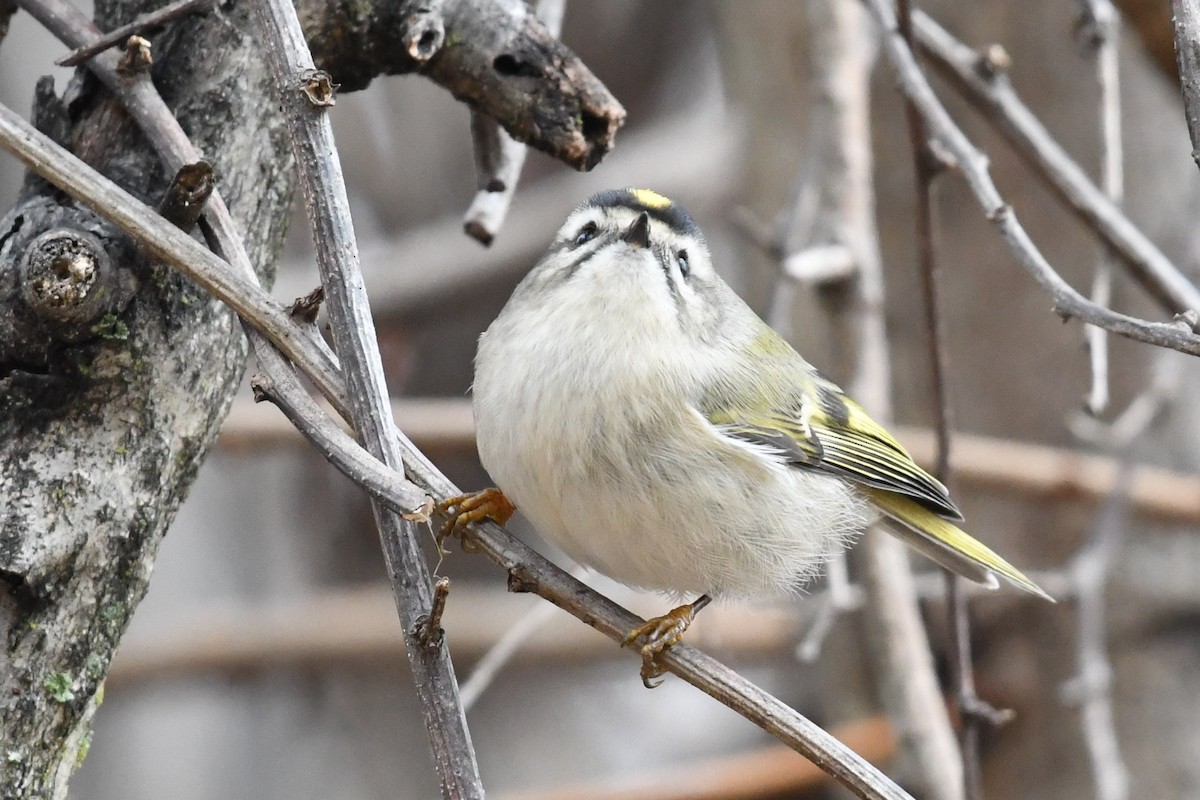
100	441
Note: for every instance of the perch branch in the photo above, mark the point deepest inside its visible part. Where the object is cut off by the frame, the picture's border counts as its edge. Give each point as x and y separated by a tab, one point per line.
530	572
527	570
972	164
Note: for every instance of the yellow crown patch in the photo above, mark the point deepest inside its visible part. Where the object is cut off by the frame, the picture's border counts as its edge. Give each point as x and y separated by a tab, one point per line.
650	199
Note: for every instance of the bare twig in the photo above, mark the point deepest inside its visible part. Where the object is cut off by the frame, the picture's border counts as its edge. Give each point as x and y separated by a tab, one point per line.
505	648
501	653
527	570
146	22
1101	28
1091	687
499	157
349	313
454	266
981	78
973	166
838	210
428	631
1090	570
926	168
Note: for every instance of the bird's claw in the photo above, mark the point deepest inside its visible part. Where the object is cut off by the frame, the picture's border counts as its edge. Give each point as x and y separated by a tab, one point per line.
465	509
657	635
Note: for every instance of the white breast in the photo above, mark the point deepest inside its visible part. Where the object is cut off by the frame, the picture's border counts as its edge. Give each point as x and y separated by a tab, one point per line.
614	467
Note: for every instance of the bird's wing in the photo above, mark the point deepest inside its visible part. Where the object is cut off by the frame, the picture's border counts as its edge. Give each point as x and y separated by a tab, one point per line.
821	429
817	427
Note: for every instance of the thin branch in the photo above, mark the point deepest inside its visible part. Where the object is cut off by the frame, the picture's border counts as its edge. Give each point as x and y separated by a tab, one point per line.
1100	26
1091	687
349	311
981	79
926	168
530	572
146	22
527	570
499	157
838	209
973	166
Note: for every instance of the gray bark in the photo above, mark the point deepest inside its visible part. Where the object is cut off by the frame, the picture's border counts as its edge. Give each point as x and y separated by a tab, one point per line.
100	440
115	371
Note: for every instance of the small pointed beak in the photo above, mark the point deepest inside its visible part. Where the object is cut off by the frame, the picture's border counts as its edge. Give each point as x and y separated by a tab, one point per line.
638	234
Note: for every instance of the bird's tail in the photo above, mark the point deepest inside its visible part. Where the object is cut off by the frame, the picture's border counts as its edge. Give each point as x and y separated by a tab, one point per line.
946	543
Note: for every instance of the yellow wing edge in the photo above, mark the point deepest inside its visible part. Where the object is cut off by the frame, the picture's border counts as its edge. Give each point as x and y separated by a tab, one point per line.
948	544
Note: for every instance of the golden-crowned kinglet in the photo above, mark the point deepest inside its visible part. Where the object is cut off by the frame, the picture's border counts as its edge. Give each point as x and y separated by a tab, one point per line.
653	427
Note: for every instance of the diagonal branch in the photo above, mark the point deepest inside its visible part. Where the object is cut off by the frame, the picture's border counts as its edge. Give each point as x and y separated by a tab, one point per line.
981	79
527	570
328	209
493	55
1100	27
143	24
973	166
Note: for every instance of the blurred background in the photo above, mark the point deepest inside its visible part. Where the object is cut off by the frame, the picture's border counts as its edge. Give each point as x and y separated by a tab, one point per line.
266	660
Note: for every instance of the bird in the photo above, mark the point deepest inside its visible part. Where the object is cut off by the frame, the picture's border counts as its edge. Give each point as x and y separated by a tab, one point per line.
654	428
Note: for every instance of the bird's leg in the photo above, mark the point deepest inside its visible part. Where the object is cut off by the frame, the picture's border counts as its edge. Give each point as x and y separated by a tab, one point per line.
659	633
464	509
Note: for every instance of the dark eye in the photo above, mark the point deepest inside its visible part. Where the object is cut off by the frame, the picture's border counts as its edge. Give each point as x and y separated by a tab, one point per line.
682	259
586	234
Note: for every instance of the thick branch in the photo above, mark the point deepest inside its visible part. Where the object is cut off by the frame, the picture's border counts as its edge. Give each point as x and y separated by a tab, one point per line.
493	55
98	449
498	157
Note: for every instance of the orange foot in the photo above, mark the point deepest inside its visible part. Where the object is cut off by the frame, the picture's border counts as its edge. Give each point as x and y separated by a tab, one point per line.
660	633
465	509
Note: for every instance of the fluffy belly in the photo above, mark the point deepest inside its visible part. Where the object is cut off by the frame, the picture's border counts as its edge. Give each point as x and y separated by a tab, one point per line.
695	513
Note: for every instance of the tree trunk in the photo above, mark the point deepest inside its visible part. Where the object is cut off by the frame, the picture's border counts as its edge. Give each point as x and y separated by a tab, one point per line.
101	438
